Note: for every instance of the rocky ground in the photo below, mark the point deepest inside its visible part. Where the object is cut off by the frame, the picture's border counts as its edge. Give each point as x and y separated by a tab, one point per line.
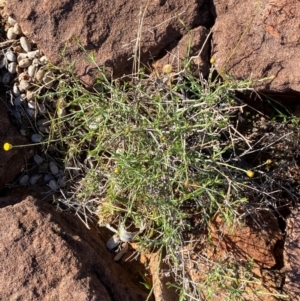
48	254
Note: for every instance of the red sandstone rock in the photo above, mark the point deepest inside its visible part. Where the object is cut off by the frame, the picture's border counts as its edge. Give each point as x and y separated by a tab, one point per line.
245	242
258	39
161	289
14	161
190	46
110	29
47	255
160	276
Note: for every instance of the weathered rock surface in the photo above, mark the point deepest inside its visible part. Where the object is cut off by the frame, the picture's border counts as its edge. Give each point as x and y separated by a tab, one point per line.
43	257
157	274
110	29
258	39
245	242
12	162
292	255
191	46
161	289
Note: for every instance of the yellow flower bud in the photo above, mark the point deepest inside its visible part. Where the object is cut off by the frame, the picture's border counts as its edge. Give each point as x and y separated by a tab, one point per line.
269	161
7	146
212	60
250	173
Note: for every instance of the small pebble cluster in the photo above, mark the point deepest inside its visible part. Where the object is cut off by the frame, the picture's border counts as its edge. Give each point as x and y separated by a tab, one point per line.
24	71
47	172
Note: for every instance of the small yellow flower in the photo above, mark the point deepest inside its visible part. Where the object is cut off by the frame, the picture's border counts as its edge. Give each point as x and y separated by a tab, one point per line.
116	170
212	60
167	69
7	146
269	161
250	173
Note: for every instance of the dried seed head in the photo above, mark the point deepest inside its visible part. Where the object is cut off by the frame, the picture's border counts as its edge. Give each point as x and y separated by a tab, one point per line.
167	69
